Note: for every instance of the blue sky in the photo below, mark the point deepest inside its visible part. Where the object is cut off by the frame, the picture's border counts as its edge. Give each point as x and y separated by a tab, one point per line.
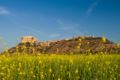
58	19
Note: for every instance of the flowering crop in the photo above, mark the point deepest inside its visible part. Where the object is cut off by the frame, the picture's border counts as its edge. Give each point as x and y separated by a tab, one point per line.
60	67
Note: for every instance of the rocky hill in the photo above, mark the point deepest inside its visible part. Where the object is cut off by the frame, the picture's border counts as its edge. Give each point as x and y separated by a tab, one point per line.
76	45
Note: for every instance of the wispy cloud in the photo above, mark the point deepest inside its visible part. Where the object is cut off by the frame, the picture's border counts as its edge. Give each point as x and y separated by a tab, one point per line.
4	11
92	7
56	35
67	26
72	29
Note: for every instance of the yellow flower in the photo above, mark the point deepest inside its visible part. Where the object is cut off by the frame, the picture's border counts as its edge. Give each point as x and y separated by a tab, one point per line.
20	64
40	62
21	73
53	75
78	47
3	79
96	79
31	72
34	76
18	69
88	62
59	79
50	70
2	74
71	61
42	76
76	71
107	62
103	39
3	68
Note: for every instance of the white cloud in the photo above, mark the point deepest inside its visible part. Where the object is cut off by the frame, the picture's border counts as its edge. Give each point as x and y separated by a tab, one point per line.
92	7
4	11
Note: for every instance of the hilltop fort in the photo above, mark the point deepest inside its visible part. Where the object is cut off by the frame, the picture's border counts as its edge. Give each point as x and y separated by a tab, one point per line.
75	45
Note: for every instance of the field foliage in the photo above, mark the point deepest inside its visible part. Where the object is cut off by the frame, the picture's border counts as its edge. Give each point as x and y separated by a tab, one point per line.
60	67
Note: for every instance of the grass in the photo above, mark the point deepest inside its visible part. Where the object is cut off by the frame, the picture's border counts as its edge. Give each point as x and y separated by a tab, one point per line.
60	67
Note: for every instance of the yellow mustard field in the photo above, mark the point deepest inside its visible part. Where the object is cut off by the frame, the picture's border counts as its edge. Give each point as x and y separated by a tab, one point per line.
60	67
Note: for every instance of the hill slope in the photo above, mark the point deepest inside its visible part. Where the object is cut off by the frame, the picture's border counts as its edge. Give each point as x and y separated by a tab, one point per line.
79	44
